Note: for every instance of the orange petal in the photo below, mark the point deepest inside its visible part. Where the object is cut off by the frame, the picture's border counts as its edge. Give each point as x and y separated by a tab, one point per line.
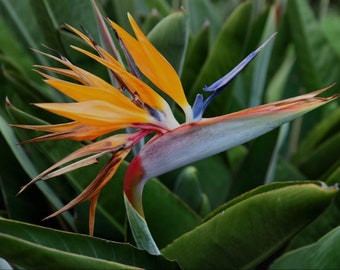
78	74
99	113
62	71
146	93
84	93
81	35
93	189
111	144
296	104
73	130
152	64
92	212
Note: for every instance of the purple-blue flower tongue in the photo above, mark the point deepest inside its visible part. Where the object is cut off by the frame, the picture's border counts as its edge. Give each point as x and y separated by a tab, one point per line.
219	84
199	105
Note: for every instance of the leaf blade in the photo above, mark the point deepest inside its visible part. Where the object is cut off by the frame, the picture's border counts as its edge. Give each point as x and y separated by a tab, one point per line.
235	237
59	250
322	254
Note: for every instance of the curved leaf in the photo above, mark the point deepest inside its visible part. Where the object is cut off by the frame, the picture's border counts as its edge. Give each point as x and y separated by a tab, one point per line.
32	255
324	254
326	222
252	229
37	247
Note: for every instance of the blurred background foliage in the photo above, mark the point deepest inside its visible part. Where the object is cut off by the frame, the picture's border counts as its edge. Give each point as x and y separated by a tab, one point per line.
203	40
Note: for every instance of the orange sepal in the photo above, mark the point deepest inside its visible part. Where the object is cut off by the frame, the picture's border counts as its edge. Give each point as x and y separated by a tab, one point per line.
294	104
85	93
72	130
99	113
95	150
91	192
75	72
152	64
135	85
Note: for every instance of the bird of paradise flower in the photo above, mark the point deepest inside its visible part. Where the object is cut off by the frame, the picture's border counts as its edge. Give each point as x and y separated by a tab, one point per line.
99	108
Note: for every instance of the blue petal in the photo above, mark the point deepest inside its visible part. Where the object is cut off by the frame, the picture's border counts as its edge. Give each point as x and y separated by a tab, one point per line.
197	107
232	74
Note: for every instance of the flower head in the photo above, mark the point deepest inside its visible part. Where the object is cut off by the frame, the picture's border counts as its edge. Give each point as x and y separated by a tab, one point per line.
101	108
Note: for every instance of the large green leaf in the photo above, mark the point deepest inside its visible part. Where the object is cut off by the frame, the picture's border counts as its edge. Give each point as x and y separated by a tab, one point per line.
324	254
326	222
329	219
37	247
250	229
